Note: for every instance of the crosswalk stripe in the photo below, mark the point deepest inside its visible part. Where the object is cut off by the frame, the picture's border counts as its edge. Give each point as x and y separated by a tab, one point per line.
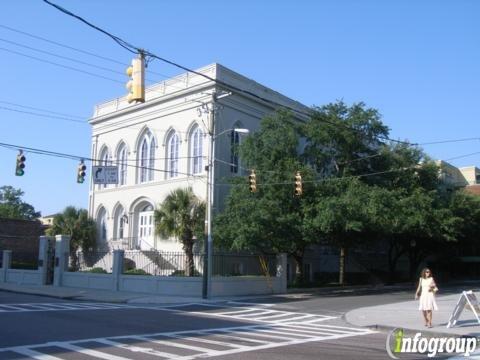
173	344
230	335
138	349
282	314
35	354
207	341
90	352
229	313
293	318
11	307
288	334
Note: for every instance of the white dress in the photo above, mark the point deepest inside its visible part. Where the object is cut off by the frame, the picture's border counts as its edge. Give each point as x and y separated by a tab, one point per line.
427	298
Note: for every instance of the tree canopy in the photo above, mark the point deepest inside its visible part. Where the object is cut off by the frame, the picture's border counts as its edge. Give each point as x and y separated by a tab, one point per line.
12	206
358	187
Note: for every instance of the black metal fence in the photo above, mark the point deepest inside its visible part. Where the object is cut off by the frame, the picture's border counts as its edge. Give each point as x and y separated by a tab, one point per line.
27	260
162	263
238	264
92	261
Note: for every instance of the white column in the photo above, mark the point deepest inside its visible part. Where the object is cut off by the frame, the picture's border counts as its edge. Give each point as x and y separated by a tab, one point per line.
282	271
117	268
6	263
62	254
43	258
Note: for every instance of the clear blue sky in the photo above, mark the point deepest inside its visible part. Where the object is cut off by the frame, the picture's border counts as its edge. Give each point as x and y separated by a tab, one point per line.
417	62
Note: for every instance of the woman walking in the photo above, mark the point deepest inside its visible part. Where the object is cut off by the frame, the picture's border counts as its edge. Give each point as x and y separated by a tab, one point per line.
426	292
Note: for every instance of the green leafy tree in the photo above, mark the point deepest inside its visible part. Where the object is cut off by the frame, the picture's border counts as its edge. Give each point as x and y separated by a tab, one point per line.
181	215
76	224
12	206
333	148
270	220
344	210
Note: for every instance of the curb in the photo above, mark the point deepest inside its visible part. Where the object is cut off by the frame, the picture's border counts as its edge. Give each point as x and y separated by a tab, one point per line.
63	297
424	332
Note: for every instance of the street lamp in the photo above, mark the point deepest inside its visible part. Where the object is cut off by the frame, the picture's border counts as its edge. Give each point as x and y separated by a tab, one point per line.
208	246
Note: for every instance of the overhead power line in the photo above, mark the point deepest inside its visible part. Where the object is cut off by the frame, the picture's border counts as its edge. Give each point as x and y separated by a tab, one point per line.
84	158
43	115
60	65
44	110
82	51
135	49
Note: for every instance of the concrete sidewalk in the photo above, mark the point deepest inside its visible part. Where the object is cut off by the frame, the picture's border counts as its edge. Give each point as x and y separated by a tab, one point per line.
406	315
97	295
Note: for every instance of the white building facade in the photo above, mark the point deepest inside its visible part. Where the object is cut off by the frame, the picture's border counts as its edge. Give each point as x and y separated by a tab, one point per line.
163	144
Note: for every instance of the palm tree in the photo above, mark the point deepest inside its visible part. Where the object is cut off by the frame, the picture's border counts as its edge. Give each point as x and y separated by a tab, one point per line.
81	229
182	215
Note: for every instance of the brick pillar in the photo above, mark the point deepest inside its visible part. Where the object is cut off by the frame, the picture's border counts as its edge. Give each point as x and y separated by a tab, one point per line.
62	254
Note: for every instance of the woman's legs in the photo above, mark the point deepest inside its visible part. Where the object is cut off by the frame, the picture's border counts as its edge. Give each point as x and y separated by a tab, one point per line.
425	317
429	317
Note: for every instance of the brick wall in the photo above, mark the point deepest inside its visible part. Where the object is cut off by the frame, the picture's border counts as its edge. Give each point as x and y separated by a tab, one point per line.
20	235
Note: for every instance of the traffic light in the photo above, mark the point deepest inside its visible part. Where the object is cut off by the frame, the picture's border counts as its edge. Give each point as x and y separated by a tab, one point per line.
136	84
252	178
20	164
81	172
298	184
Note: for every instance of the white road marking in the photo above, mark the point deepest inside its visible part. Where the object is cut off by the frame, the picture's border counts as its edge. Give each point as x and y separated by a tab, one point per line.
94	353
35	354
36	307
253	337
207	341
172	343
264	315
137	349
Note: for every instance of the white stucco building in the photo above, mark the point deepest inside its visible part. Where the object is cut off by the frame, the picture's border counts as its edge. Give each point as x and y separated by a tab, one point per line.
163	144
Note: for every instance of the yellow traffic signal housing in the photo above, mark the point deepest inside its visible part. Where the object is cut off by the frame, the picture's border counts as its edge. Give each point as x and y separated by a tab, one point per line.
20	164
298	184
252	178
136	84
81	172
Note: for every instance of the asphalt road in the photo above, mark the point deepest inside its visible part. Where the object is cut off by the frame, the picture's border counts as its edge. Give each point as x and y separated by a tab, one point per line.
288	327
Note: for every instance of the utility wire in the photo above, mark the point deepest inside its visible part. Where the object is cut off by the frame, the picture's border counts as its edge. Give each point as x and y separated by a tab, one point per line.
44	115
450	141
44	110
60	65
85	158
61	56
134	49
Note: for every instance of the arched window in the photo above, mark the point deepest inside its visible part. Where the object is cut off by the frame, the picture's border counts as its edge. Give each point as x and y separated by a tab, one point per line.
234	143
122	164
196	150
120	220
146	158
102	225
172	155
105	160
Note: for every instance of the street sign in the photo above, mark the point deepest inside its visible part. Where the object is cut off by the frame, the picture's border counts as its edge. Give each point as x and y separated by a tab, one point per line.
105	174
467	300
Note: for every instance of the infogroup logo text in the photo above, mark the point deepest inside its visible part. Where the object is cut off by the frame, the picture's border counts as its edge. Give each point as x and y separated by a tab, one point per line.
398	343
